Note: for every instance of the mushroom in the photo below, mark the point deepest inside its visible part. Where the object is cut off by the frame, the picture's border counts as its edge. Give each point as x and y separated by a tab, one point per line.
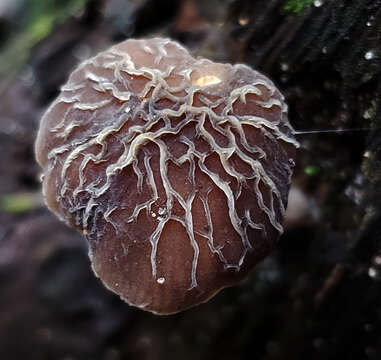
175	169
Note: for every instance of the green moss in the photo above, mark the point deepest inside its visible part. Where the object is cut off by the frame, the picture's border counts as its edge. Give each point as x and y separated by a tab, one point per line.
43	14
19	202
42	27
311	170
41	17
296	6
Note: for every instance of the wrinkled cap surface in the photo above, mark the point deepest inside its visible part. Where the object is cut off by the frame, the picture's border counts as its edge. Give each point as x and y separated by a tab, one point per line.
176	170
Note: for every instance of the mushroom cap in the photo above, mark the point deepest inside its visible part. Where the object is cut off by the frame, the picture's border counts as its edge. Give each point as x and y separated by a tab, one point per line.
176	170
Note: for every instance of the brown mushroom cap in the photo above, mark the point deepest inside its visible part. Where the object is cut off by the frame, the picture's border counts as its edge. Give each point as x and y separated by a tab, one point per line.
176	169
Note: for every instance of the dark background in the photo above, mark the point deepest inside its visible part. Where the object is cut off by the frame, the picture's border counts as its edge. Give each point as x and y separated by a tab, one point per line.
318	296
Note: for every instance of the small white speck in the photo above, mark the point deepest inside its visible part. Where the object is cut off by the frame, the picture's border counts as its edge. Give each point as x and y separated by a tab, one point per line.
160	280
148	49
367	155
369	55
370	21
162	211
153	215
318	3
284	66
324	50
127	109
116	284
372	272
366	114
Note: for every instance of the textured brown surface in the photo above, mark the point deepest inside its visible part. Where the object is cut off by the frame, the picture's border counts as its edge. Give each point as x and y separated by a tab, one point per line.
177	170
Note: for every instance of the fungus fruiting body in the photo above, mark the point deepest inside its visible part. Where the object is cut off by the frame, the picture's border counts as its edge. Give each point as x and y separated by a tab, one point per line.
176	170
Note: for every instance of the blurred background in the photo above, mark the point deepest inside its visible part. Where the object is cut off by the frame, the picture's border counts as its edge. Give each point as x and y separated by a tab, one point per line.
318	296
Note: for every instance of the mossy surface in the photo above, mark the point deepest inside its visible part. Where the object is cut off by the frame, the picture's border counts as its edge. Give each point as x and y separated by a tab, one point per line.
39	20
296	6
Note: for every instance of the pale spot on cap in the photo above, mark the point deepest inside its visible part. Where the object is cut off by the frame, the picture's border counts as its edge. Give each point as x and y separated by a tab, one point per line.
207	80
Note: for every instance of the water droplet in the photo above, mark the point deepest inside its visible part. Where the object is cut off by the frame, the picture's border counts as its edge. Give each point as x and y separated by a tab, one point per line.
367	155
160	280
243	21
366	114
372	272
370	21
369	55
318	3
